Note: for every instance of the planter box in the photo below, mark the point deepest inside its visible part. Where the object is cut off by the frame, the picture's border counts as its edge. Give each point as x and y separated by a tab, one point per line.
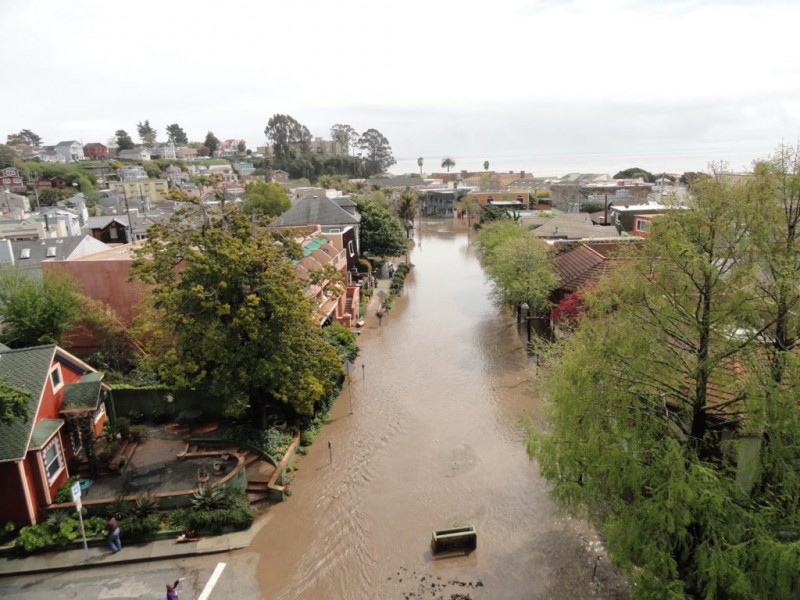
457	539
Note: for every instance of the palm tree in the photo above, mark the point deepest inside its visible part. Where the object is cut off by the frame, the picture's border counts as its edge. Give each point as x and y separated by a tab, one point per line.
448	162
486	165
407	209
419	162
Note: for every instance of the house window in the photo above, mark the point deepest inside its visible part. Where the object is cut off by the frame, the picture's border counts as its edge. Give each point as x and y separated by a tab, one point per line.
53	463
55	377
51	251
112	233
351	248
99	413
642	225
25	253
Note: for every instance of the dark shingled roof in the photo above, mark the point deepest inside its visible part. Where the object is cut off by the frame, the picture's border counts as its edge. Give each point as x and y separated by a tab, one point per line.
316	210
83	394
25	369
43	431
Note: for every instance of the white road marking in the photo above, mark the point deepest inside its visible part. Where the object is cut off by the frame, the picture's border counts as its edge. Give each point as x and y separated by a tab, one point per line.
206	594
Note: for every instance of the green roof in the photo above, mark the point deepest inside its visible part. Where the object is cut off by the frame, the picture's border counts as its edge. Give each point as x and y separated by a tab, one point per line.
25	369
44	430
81	394
314	244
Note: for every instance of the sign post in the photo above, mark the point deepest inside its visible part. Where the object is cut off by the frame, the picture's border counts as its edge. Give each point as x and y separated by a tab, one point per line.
76	498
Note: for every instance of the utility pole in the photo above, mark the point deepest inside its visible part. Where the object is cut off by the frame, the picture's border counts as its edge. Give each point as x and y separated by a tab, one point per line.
127	210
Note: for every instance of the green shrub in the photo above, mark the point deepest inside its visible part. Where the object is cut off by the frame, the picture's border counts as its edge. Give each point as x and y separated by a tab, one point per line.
206	498
7	532
213	521
120	508
64	493
364	266
137	529
145	505
34	538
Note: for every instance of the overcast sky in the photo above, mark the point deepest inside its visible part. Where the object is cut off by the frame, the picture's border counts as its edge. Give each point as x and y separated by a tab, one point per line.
548	86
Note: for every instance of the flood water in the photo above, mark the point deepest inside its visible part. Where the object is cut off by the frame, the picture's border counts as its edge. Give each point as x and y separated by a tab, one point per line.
435	440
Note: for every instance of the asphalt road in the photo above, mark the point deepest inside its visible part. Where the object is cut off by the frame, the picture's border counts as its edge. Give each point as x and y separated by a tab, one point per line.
144	581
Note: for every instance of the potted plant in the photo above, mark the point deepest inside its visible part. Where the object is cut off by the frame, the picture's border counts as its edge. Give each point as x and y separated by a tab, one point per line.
202	475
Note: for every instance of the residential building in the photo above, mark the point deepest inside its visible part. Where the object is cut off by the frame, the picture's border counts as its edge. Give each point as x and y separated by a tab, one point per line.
165	151
64	395
185	153
95	151
72	219
322	211
154	190
132	173
72	150
519	199
134	154
51	156
572	226
230	147
10	178
109	229
103	276
14	203
28	255
244	169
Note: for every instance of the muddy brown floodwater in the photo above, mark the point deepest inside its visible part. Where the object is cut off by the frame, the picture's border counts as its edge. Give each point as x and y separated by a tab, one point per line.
436	439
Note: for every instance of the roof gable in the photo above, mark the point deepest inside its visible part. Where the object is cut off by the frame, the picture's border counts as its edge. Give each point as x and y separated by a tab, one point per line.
26	369
316	210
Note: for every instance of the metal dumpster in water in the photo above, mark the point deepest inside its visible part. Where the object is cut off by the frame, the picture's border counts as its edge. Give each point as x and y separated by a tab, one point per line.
464	539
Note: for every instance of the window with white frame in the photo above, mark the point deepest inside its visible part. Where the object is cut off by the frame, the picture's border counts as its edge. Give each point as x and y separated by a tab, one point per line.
55	377
642	225
53	462
99	413
350	248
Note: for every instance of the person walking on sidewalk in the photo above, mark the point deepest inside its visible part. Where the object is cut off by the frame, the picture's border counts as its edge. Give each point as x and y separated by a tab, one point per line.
113	535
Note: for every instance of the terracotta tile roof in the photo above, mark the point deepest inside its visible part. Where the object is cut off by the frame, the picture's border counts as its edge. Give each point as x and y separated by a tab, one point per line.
578	267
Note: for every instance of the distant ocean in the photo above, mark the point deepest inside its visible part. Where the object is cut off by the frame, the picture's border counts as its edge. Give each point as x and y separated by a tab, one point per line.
556	165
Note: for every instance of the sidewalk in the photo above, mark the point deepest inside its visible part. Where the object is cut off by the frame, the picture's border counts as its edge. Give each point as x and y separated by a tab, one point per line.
67	560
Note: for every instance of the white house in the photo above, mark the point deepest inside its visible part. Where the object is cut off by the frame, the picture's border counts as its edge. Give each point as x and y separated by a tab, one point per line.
72	150
135	154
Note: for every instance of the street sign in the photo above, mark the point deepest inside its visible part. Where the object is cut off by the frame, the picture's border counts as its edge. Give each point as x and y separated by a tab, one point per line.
76	498
76	491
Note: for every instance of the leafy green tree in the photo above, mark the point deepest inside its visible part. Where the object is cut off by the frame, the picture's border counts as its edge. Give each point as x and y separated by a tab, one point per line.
49	196
343	339
146	133
268	199
635	173
26	137
211	142
381	232
667	430
284	132
486	165
448	163
590	206
124	141
234	320
176	134
36	311
378	153
519	266
345	135
13	402
8	156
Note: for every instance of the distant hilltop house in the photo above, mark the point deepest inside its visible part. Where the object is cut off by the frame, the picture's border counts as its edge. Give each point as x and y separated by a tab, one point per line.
230	147
185	153
134	154
95	151
166	151
72	150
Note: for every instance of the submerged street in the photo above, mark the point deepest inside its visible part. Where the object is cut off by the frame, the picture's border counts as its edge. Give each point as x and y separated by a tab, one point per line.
436	440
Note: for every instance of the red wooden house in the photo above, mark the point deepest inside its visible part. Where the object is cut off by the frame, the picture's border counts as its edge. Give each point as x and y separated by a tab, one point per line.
95	151
67	398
